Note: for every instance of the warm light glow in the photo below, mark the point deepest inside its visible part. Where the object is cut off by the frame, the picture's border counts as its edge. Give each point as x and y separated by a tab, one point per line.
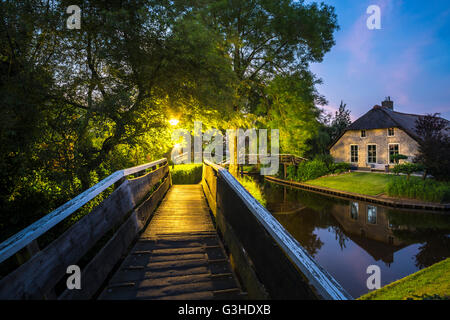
177	146
173	122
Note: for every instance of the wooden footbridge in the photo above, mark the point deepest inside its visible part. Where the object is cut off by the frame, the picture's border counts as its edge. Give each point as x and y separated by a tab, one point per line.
150	239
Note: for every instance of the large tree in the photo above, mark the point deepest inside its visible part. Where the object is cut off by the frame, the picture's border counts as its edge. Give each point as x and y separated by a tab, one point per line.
268	40
79	104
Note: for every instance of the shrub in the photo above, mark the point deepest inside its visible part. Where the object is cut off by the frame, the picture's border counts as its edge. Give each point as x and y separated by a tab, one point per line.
186	173
407	168
341	167
426	190
398	156
320	166
310	170
291	172
325	158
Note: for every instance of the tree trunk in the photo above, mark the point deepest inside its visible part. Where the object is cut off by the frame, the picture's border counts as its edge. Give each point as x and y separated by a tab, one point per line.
424	175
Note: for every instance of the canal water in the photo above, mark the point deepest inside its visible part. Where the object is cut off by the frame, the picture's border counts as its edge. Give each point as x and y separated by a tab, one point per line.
345	237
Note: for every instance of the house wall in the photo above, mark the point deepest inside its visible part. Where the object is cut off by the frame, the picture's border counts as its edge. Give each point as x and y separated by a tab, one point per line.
379	231
341	149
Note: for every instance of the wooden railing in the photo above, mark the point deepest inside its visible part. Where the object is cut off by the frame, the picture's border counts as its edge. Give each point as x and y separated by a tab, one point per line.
291	159
126	212
262	247
286	159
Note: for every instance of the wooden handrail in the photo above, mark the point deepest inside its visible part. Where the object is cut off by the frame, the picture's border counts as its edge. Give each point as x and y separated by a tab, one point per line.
24	237
324	284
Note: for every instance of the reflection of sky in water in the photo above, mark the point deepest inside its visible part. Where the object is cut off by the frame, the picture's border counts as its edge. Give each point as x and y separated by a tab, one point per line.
346	246
349	264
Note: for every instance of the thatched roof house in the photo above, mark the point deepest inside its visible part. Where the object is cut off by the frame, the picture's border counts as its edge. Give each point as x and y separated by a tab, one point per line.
372	140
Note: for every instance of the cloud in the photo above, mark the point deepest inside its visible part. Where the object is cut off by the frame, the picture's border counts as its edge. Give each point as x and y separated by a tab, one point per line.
359	41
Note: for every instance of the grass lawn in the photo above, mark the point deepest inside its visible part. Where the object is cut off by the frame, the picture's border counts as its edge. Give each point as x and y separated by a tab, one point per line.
371	184
429	283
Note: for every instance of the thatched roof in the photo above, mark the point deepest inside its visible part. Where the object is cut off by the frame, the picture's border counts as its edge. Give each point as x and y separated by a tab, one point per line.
382	118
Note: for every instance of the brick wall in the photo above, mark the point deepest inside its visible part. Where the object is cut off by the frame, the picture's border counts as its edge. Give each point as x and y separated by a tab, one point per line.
341	150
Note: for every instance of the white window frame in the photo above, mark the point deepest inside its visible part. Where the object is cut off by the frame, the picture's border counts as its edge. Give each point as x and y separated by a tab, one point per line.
376	152
389	152
357	153
393	132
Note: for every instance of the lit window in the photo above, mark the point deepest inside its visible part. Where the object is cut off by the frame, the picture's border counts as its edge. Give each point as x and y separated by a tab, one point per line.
353	153
363	133
372	214
354	208
390	132
393	150
372	153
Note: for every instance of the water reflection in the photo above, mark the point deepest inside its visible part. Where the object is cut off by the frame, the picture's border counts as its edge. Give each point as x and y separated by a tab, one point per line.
345	237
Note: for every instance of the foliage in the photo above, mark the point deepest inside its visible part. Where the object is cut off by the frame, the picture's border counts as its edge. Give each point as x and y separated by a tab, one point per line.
341	167
330	128
309	170
398	156
434	145
320	142
186	173
340	122
407	168
253	188
79	105
290	107
426	190
321	165
291	172
271	45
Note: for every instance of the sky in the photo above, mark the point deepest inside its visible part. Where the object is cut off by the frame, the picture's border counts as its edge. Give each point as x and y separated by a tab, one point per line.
407	59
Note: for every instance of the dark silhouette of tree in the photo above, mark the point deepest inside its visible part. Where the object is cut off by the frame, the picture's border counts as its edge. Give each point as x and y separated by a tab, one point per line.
340	122
434	145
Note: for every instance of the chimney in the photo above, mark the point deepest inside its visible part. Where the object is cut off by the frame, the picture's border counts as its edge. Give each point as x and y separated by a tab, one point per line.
388	103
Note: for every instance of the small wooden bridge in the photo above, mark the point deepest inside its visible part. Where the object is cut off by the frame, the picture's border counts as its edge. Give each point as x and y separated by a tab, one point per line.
150	239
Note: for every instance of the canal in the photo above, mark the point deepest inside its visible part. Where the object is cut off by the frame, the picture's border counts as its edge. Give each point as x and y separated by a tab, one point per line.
346	236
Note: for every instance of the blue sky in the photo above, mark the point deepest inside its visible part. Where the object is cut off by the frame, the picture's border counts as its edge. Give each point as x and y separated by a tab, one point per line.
408	59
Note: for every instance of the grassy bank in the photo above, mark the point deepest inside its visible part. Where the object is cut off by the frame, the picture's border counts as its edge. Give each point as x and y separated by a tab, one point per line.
430	283
254	188
415	188
374	184
186	173
371	184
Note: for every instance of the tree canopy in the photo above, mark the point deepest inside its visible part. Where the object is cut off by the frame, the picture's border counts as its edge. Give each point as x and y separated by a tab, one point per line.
80	104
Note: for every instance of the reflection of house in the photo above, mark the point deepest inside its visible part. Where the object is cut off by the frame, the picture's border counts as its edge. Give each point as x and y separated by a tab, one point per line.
376	136
368	226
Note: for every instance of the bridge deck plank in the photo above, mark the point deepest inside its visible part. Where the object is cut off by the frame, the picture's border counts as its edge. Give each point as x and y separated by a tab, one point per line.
178	256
